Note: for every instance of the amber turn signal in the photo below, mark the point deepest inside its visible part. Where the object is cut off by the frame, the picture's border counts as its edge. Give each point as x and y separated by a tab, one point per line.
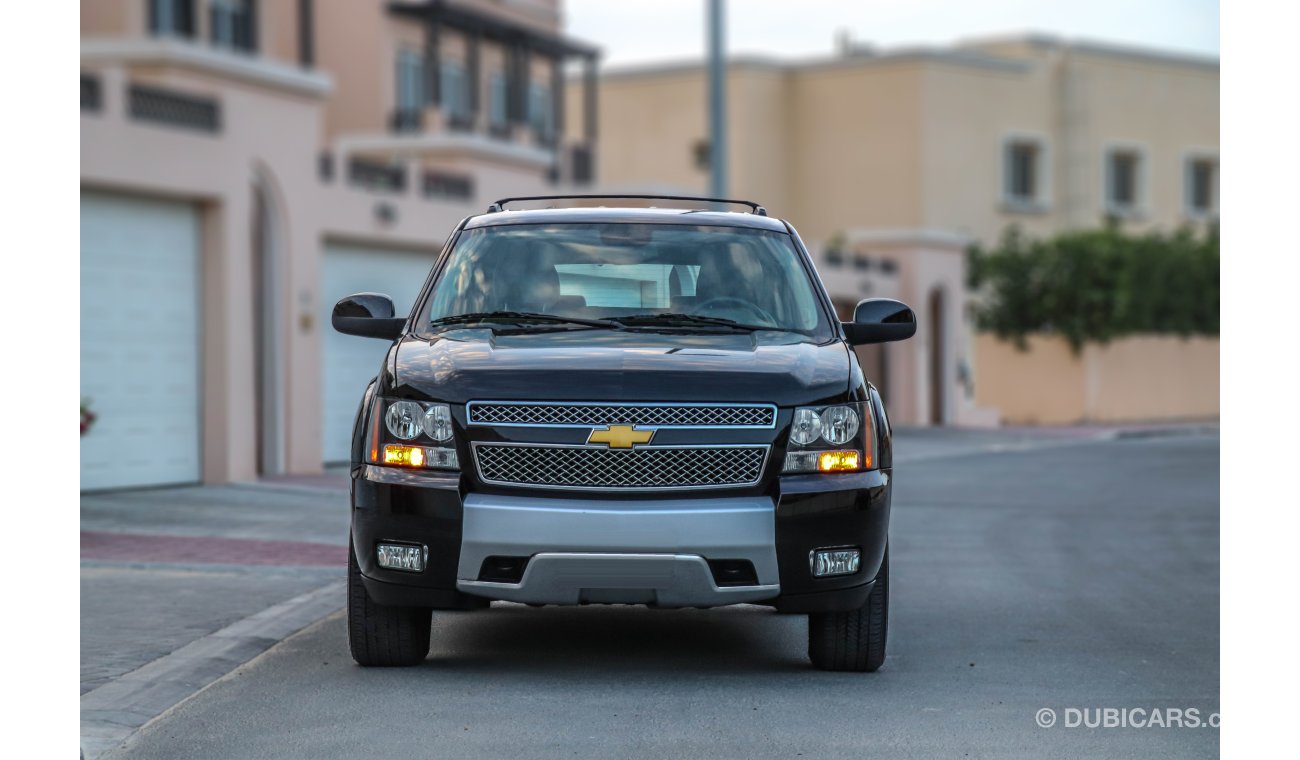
838	461
404	456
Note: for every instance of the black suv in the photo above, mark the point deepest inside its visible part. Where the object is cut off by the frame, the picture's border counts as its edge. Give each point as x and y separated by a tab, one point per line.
621	406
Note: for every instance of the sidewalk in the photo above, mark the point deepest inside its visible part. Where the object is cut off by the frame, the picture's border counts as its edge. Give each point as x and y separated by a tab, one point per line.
181	585
915	444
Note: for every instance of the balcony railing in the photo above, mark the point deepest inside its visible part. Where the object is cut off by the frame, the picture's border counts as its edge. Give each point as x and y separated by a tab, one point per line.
449	186
376	175
406	120
459	122
148	103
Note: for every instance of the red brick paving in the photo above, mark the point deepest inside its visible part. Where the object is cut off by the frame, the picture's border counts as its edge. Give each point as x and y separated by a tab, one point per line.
139	547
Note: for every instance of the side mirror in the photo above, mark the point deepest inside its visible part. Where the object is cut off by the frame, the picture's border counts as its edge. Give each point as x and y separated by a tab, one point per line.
880	320
369	315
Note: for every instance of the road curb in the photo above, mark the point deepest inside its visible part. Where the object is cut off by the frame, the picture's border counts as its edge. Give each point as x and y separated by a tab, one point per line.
113	712
1172	431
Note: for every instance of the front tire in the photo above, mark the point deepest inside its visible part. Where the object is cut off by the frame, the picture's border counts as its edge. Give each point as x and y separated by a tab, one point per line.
853	640
381	635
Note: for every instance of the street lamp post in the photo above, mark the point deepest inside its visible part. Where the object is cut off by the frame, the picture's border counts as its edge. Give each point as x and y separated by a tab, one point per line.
717	103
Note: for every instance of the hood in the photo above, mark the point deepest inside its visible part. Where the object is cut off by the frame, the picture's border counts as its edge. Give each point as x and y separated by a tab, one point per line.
579	365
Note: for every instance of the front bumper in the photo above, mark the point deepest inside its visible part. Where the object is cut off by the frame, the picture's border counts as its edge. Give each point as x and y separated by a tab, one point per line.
632	552
597	548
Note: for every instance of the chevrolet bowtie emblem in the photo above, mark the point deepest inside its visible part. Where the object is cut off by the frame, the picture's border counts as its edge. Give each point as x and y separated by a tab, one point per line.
620	436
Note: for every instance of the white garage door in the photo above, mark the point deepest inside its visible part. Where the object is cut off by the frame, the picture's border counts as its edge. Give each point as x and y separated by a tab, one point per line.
139	341
350	362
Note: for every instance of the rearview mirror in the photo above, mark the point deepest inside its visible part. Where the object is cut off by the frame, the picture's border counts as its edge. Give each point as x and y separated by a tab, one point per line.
880	320
369	315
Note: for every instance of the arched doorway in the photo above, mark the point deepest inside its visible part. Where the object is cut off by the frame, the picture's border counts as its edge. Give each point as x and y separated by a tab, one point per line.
938	375
267	247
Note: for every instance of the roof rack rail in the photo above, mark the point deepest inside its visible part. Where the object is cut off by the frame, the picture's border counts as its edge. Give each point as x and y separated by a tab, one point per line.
500	205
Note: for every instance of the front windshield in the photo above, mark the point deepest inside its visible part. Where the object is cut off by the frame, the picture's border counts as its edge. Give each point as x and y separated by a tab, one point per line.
628	271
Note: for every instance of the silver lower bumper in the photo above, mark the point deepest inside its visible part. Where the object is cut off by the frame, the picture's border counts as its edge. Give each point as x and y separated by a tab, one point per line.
619	551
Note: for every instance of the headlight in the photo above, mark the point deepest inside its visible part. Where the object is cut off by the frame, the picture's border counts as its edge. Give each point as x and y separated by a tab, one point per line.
837	438
807	426
404	419
839	425
412	421
437	422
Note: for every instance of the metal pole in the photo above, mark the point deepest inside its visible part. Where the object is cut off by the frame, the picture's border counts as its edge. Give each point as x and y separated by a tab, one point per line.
717	103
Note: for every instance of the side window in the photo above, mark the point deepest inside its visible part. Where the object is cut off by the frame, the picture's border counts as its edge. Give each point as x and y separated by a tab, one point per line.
233	24
1201	187
455	92
539	111
1124	178
1024	174
497	101
171	17
410	81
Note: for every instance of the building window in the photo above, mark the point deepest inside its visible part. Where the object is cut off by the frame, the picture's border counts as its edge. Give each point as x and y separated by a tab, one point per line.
540	114
498	119
1202	187
171	17
410	81
1024	174
233	24
455	92
1123	181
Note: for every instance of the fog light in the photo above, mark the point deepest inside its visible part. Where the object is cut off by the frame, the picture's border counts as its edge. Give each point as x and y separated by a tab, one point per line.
828	562
402	557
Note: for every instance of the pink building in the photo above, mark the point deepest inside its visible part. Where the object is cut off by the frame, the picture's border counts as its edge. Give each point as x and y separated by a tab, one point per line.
245	163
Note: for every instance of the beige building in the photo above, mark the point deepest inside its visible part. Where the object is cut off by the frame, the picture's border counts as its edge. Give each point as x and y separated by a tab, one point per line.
890	163
245	163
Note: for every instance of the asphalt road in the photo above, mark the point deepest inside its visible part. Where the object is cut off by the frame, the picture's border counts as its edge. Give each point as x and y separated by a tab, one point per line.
1077	575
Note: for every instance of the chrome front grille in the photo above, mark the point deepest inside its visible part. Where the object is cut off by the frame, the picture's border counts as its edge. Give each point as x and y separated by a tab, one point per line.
544	466
594	414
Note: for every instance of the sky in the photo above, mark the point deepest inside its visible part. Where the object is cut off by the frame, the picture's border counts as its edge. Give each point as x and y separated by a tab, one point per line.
633	32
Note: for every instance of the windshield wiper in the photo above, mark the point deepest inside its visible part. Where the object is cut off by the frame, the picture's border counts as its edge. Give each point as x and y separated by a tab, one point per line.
673	319
518	318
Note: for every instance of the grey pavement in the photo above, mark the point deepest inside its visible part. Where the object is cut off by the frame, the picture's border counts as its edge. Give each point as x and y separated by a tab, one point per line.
1078	574
156	628
132	614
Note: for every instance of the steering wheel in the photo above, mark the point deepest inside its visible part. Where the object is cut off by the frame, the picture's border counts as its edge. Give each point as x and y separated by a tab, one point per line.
764	317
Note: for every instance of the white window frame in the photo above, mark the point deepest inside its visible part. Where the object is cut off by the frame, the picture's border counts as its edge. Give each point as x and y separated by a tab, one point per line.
1140	207
1041	201
1190	159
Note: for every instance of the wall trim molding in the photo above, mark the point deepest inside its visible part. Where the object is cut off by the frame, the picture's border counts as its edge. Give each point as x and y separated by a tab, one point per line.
192	55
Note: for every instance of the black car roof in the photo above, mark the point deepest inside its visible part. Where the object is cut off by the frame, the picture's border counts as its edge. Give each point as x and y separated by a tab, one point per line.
627	216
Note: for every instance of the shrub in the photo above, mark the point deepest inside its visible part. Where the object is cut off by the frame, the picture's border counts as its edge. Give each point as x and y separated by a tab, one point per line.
1097	285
